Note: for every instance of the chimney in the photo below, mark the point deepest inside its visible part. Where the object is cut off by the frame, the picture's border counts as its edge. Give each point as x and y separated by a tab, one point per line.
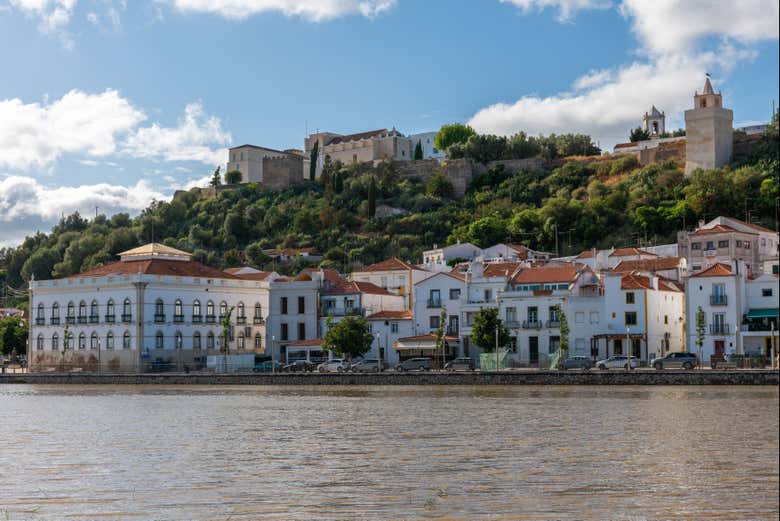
701	223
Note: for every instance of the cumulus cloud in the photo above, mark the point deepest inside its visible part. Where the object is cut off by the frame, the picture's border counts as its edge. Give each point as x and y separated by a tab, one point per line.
566	8
37	134
191	140
53	15
312	10
607	103
32	206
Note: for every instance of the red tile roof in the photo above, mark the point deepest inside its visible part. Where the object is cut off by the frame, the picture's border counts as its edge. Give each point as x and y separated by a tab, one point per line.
500	269
261	275
658	264
719	228
453	274
628	252
347	287
716	270
565	273
634	281
176	268
391	315
391	264
587	254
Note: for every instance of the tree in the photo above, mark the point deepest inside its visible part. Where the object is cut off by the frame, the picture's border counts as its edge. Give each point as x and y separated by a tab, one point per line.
483	332
439	186
638	134
371	197
349	337
564	328
216	179
701	327
233	177
313	157
453	133
418	151
40	264
13	335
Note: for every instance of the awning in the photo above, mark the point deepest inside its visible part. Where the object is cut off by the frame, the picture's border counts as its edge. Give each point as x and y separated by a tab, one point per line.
762	313
422	343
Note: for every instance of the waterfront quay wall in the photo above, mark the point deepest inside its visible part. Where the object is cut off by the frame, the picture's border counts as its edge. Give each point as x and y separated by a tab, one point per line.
694	377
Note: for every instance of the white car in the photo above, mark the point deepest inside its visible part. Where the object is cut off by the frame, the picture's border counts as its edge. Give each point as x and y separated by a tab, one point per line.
334	365
617	362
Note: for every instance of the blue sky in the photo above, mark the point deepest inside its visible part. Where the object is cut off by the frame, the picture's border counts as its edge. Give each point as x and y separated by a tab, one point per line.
112	104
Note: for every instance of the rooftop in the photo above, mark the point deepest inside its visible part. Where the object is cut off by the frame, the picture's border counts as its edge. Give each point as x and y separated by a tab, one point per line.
500	269
566	273
154	249
391	264
391	315
716	270
658	264
176	268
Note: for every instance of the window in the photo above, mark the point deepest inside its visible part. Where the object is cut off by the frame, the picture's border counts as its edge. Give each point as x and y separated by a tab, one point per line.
241	341
630	318
126	340
55	311
434	298
301	331
696	267
695	245
222	309
241	310
775	269
67	341
747	245
178	309
488	295
394	327
178	340
594	317
579	345
196	340
39	343
553	314
110	310
511	314
617	346
666	319
71	310
710	245
55	342
766	292
704	103
284	305
579	317
196	308
83	340
434	322
159	310
40	314
739	244
533	314
110	340
159	340
723	244
301	305
126	310
455	294
285	333
210	340
82	310
258	342
93	311
630	297
258	310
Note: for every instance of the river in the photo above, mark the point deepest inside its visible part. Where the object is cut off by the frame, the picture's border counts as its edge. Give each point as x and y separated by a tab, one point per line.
388	453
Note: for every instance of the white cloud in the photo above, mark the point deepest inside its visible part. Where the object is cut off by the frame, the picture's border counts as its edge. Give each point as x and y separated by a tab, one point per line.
566	8
201	182
30	206
607	103
312	10
191	140
34	135
54	15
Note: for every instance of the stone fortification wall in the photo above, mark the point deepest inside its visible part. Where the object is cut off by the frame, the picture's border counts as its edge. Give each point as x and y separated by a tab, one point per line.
282	172
666	151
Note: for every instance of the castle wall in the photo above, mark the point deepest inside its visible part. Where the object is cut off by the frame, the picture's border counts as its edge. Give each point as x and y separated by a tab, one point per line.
709	138
282	172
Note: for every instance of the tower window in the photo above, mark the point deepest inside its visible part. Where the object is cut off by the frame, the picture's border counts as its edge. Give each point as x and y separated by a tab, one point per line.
704	103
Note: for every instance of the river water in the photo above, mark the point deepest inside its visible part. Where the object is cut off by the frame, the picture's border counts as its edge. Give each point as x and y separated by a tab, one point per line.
388	453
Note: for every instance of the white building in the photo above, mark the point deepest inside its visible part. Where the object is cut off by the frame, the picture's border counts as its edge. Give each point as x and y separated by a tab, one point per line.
426	140
394	275
388	327
436	258
437	295
155	309
513	253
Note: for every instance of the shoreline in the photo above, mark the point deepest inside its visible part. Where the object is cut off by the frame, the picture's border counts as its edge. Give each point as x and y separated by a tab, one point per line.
612	377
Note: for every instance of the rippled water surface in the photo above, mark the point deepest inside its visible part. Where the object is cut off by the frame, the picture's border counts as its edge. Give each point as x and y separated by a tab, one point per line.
364	453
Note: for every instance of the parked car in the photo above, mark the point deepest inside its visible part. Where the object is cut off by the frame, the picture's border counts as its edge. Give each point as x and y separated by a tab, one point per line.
368	365
576	362
676	361
415	364
334	365
299	366
267	367
460	364
617	362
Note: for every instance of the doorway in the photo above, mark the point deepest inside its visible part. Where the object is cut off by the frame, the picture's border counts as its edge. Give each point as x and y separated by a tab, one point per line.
720	347
533	350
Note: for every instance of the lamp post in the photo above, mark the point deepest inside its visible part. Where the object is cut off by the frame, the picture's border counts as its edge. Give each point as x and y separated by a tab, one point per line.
379	352
497	368
628	346
273	358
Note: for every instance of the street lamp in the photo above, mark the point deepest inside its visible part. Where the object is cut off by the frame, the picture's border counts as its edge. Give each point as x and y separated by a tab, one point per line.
273	358
628	346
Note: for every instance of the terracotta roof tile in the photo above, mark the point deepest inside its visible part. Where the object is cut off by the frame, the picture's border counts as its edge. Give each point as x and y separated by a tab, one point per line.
174	268
628	252
716	270
658	264
500	269
565	273
634	281
453	274
719	228
391	315
391	264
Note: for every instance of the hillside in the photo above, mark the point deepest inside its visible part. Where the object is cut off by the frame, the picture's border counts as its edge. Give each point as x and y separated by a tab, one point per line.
595	202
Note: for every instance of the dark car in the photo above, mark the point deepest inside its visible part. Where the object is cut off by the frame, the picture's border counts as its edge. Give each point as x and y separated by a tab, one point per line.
415	364
576	362
676	361
299	366
460	364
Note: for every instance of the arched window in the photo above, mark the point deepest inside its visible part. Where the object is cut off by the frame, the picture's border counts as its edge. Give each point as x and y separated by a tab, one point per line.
40	315
258	311
39	343
82	312
82	341
209	311
93	311
110	312
93	341
222	309
55	342
210	340
241	310
178	309
240	342
178	340
71	316
127	312
196	308
110	340
196	340
55	311
126	338
159	310
258	342
159	340
68	340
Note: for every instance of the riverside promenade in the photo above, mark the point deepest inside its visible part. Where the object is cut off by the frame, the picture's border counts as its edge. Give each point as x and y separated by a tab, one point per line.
523	377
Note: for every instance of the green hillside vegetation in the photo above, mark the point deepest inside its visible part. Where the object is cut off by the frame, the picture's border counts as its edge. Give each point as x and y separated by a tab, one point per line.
601	201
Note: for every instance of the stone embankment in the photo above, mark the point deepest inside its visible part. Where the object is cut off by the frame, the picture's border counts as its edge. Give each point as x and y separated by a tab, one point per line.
707	377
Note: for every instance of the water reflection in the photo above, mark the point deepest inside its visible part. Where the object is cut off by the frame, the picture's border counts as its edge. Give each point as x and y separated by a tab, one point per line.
349	453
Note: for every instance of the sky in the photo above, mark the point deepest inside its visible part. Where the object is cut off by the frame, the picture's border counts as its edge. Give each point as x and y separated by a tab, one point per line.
114	103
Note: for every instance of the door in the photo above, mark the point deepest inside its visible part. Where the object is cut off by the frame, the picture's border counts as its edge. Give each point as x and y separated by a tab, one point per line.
533	350
720	347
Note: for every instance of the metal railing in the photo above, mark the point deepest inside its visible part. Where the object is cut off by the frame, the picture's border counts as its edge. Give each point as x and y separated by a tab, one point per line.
177	319
718	300
40	321
127	317
82	319
434	303
70	320
94	319
110	318
258	320
553	323
532	324
159	317
719	329
240	320
210	319
197	319
55	321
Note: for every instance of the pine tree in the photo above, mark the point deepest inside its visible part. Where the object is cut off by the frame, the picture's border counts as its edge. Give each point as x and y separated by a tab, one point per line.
315	151
418	151
216	179
372	198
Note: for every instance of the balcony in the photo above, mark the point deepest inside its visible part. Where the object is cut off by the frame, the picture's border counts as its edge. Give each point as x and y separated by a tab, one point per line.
221	317
55	321
719	329
553	324
127	317
512	323
452	331
434	303
210	319
718	300
532	324
240	320
40	321
197	319
341	312
110	318
94	319
258	320
159	317
70	320
178	319
82	319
